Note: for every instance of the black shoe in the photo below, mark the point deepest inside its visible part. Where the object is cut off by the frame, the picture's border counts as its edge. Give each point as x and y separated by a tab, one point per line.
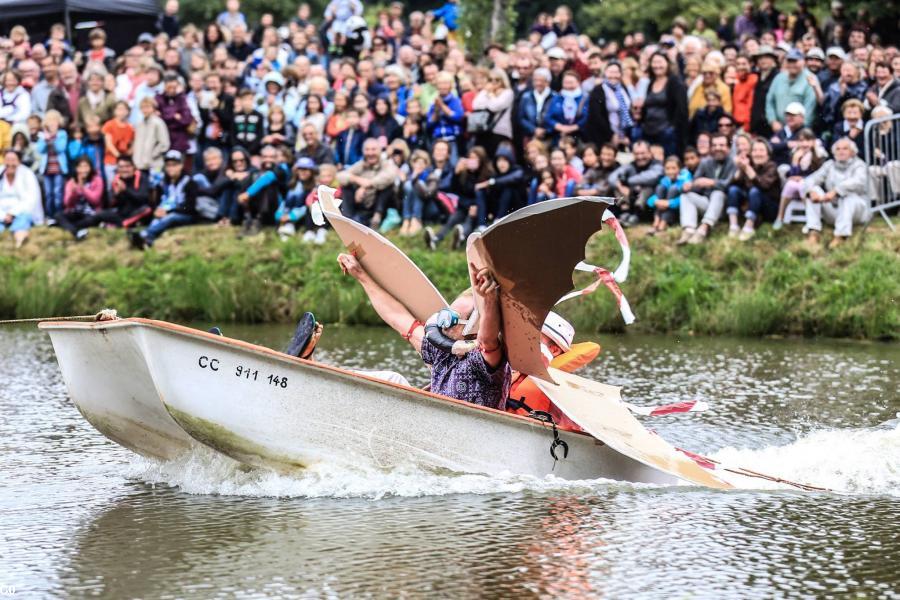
430	239
255	227
459	237
215	331
137	240
303	335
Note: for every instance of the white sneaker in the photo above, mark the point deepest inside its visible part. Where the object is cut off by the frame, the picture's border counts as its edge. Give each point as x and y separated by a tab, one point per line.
309	237
734	231
321	235
778	224
287	229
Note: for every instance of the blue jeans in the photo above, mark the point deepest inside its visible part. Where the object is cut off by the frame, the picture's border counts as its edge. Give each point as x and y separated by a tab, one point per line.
21	222
53	194
758	204
160	225
413	205
665	138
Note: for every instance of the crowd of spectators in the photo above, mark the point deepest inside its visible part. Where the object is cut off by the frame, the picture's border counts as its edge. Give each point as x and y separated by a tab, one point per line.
235	123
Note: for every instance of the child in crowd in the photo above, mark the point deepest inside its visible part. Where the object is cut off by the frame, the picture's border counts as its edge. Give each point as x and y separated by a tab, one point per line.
667	199
419	187
89	142
804	162
349	142
54	164
598	166
569	145
546	189
83	198
151	139
118	135
292	211
248	124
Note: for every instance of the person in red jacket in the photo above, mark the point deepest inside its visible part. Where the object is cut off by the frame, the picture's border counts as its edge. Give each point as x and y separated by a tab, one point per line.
742	95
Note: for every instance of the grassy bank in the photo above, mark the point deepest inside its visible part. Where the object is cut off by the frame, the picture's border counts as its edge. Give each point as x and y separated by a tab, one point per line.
771	286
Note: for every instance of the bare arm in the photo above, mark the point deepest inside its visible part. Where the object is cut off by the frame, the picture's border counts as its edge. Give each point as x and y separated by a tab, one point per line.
489	328
388	308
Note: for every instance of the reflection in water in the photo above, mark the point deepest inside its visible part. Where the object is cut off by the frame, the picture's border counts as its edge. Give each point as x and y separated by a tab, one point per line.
81	516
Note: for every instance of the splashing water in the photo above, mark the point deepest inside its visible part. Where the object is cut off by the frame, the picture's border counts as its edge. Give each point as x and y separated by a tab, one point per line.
203	471
852	461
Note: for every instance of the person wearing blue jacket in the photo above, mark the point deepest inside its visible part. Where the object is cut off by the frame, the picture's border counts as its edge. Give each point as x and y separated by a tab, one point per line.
449	14
667	199
292	212
445	116
51	148
568	112
348	143
533	106
262	198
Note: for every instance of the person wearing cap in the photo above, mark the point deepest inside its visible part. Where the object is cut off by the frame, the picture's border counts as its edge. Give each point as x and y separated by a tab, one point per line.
474	371
791	85
533	105
785	139
710	73
293	212
836	193
834	58
815	61
848	86
557	60
177	194
766	68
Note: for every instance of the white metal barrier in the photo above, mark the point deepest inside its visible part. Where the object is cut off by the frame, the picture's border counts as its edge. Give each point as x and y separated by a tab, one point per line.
882	144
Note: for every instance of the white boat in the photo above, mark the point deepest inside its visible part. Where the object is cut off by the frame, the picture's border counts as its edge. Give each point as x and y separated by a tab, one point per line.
154	386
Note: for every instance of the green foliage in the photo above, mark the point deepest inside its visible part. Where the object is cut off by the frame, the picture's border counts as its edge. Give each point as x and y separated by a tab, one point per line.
769	286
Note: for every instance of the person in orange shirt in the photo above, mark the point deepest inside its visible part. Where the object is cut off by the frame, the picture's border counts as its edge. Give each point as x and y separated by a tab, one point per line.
118	135
742	94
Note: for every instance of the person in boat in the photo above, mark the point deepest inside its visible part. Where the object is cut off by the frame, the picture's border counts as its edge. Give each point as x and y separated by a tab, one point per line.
473	371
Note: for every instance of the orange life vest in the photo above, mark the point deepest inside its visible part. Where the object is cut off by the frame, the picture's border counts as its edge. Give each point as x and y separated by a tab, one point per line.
525	390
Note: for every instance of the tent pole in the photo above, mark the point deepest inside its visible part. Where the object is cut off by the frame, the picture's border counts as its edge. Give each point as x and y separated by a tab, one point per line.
68	20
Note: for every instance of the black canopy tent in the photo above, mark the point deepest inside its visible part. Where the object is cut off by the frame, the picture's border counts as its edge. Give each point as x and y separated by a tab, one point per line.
130	17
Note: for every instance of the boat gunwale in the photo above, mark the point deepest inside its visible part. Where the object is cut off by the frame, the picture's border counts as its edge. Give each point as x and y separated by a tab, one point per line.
257	349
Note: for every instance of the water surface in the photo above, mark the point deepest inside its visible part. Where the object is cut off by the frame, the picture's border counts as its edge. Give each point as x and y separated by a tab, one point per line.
81	516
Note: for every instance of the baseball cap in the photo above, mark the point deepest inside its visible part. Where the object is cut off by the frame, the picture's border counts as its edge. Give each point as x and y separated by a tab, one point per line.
794	54
795	108
145	38
815	53
836	51
557	53
173	156
764	50
305	162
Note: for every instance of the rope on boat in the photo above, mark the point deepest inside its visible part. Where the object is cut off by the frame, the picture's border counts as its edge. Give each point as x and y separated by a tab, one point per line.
107	314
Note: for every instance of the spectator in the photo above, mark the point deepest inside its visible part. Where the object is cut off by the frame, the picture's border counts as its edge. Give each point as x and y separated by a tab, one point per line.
240	173
707	119
15	102
664	119
471	203
349	142
667	199
791	85
742	94
568	111
885	89
706	192
118	136
533	107
766	67
213	185
313	146
83	199
51	149
496	100
151	139
710	73
418	187
248	124
367	186
176	114
506	189
20	198
446	114
804	161
598	166
383	127
609	110
635	182
849	85
784	141
852	125
177	202
836	192
757	183
96	101
278	131
263	197
293	212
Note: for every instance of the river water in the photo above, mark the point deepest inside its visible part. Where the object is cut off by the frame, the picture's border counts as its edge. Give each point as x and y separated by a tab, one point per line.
81	516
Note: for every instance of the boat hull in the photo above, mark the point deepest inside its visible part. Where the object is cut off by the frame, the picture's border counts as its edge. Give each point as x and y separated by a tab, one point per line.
267	409
109	382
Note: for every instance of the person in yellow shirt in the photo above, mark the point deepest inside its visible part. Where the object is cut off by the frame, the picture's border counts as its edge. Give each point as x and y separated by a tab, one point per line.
711	79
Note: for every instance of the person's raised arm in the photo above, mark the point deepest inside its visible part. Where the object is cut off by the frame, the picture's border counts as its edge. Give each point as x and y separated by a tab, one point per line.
388	308
487	288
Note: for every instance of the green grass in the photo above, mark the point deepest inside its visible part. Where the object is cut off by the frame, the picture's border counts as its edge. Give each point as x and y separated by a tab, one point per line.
770	286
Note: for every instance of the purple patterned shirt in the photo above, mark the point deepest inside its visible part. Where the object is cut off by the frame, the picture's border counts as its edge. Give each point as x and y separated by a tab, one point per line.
467	377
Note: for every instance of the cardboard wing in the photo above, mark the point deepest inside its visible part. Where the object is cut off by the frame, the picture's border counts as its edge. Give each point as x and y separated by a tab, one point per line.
532	254
385	263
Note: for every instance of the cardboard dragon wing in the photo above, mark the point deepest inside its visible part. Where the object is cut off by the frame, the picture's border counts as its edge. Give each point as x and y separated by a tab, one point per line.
532	254
383	261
